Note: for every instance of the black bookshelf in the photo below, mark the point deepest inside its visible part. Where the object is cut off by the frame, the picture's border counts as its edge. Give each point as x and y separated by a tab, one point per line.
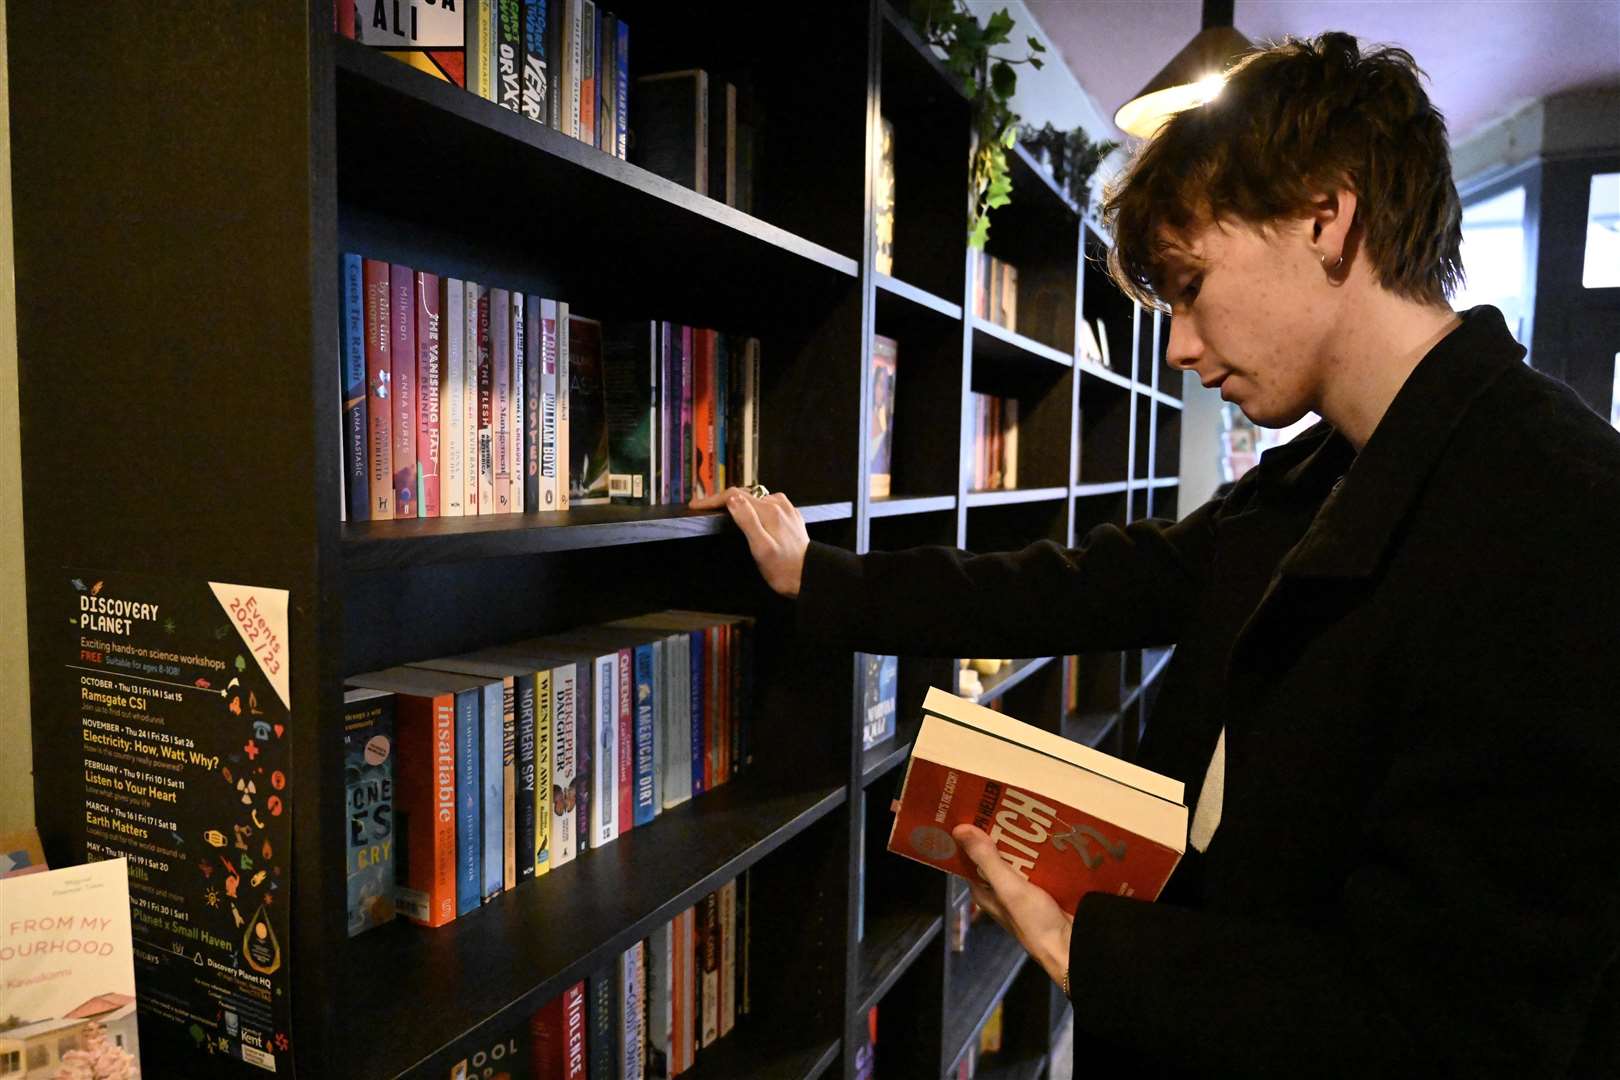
276	159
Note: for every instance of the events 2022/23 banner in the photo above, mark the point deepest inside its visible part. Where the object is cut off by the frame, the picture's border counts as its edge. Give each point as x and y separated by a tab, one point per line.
183	716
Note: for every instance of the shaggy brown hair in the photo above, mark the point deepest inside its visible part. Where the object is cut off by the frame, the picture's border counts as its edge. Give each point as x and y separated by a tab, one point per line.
1296	119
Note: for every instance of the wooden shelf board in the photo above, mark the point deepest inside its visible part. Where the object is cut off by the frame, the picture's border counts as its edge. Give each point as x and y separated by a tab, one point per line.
1164	482
1024	167
885	756
1015	495
1091	727
1087	367
998	343
387	545
896	505
1117	487
369	80
980	977
908	33
921	297
1165	399
1008	677
889	948
755	1052
497	965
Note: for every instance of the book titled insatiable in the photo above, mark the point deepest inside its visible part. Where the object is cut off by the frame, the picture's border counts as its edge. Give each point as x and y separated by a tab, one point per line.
1067	818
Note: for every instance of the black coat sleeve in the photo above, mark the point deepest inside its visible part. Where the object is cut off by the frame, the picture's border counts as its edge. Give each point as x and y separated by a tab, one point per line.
1121	588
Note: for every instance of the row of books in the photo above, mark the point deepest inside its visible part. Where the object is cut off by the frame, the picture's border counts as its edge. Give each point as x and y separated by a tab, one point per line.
995	291
561	63
468	775
566	64
461	399
995	443
649	1013
989	1041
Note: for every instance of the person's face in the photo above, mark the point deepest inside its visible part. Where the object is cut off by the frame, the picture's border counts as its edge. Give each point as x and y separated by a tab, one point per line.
1250	315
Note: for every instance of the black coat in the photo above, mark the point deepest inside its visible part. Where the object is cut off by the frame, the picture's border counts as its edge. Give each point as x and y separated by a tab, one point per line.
1417	870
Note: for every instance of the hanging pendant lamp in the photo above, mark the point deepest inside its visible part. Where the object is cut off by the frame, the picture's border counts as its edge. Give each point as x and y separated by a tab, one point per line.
1192	77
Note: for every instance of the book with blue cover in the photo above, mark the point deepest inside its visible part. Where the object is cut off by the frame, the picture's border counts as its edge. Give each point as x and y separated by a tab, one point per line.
368	775
469	800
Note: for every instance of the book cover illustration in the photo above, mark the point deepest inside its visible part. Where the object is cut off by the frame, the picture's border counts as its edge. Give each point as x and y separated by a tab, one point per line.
879	690
430	37
368	777
587	414
880	433
883	200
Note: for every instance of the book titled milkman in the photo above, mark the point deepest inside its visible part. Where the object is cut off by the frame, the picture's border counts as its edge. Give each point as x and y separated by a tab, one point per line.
1067	818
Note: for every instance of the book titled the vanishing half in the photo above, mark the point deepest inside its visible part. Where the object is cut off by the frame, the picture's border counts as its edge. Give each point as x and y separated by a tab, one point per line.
1069	819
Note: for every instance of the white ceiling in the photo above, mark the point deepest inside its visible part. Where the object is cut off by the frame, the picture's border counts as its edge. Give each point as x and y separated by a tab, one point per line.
1484	58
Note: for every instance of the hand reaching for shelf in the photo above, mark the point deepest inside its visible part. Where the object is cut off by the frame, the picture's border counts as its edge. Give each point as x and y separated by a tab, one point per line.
1026	911
775	531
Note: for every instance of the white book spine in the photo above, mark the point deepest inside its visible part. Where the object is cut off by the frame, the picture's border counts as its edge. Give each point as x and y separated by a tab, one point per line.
452	477
548	405
469	400
563	479
605	752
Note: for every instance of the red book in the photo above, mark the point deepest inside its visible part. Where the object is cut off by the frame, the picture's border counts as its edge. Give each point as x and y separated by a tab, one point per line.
627	741
429	335
1067	818
486	407
402	321
343	18
379	377
704	473
424	798
558	1032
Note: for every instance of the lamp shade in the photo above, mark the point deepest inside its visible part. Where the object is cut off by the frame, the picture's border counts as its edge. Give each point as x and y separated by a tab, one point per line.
1192	77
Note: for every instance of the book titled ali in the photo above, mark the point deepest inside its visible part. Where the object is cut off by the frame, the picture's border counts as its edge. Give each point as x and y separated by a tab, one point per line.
1067	818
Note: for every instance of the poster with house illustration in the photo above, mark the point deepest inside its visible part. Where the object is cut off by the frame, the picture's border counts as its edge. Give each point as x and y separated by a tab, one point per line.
68	973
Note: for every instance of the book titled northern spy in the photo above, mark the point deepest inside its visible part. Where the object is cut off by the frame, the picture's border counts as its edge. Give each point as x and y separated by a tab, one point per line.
1067	818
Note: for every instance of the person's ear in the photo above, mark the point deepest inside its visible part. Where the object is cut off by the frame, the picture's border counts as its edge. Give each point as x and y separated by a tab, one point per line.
1332	216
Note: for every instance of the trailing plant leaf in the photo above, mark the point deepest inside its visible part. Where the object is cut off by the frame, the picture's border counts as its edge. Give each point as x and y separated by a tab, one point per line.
989	82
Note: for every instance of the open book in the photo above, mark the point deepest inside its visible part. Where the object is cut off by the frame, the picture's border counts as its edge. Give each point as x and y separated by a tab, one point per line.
1068	818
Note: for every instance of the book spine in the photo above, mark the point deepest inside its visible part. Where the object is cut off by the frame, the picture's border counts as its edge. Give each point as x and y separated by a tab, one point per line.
728	957
492	34
659	968
428	359
469	399
589	40
722	402
745	943
660	721
734	699
520	402
379	399
703	372
548	405
687	986
621	111
556	67
680	454
646	708
500	342
680	943
492	788
599	1037
714	714
676	745
607	84
509	784
574	1015
426	802
486	405
509	44
751	407
523	792
343	18
625	720
664	494
357	481
452	391
563	348
402	310
585	782
535	74
605	750
538	853
576	32
532	347
699	670
564	777
635	1012
469	804
710	975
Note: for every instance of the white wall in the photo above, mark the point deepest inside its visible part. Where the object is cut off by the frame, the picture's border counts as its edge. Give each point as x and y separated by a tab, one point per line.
16	772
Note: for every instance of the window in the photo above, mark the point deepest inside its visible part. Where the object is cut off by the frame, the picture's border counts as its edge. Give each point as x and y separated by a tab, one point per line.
39	1056
10	1062
1493	257
1602	269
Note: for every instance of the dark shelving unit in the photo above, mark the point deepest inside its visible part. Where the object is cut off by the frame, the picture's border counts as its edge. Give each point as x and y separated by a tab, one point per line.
281	158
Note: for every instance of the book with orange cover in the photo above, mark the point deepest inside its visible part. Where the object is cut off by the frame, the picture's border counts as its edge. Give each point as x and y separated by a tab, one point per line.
704	473
1067	818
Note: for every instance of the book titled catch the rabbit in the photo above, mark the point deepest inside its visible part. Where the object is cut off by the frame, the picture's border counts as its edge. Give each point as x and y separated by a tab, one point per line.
1067	818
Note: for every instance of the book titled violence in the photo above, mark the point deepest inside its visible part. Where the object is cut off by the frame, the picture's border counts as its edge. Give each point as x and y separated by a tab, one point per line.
1067	818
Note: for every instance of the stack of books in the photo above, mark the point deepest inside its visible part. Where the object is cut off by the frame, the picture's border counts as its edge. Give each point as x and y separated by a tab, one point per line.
472	774
995	291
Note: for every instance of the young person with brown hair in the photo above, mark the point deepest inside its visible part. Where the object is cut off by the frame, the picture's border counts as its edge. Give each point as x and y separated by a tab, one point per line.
1394	694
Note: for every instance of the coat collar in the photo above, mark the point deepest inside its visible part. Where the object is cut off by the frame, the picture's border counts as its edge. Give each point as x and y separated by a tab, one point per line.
1359	516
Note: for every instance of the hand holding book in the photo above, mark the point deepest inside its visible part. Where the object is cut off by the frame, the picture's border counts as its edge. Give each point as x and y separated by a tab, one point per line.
775	530
1025	911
